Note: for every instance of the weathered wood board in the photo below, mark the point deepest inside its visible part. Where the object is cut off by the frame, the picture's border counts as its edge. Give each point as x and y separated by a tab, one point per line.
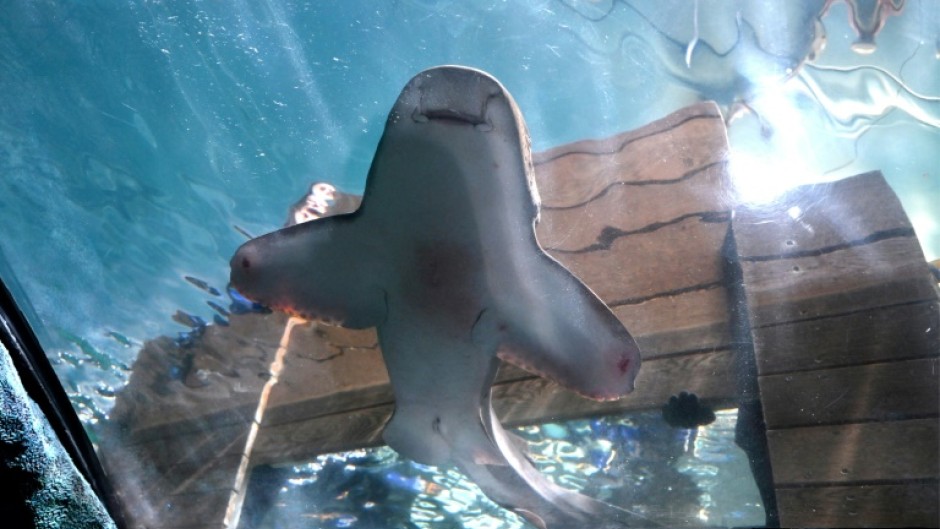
863	505
640	217
845	324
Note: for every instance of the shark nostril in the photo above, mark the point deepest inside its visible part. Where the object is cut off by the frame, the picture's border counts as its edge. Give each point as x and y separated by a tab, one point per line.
246	263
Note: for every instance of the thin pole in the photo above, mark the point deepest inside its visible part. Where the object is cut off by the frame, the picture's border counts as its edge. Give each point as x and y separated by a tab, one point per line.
237	498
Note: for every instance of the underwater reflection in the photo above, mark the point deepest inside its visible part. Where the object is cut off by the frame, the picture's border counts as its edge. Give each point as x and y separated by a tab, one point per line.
682	477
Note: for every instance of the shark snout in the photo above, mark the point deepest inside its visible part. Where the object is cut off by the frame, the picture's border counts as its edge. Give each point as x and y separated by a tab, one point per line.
245	266
455	94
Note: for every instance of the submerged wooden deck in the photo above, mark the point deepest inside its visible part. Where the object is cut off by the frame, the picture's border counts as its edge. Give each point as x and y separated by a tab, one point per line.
832	312
845	323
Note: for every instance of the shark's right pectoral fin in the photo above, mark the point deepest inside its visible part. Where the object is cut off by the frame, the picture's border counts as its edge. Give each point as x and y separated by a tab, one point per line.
317	270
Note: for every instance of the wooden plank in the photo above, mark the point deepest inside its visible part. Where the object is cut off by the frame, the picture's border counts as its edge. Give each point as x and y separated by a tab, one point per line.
873	392
157	494
843	314
158	474
887	272
608	205
659	332
172	383
843	454
529	401
322	361
901	505
662	151
828	249
624	209
823	216
872	335
305	439
643	266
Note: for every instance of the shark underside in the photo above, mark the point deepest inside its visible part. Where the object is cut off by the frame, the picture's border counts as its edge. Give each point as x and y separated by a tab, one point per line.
442	258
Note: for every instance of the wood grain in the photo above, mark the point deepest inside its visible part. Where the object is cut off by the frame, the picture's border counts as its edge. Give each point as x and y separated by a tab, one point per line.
819	217
871	335
843	454
702	326
909	505
624	209
662	151
886	272
643	266
883	391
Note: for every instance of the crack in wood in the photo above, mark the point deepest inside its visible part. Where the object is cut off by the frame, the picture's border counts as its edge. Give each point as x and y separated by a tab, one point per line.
685	176
668	293
610	234
841	314
897	418
872	238
858	483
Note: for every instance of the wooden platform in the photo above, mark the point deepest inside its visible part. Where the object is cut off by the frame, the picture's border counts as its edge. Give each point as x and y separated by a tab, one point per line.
845	323
644	218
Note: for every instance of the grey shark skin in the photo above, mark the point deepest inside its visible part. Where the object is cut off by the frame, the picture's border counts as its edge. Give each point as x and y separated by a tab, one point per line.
443	259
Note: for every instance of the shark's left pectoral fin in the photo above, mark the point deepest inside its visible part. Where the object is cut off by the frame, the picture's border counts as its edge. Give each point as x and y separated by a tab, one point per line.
316	270
556	327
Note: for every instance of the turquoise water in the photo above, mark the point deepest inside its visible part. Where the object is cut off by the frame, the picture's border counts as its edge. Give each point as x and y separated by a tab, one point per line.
139	139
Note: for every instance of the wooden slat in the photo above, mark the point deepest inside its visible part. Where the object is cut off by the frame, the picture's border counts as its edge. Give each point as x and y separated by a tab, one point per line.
872	335
641	266
887	272
640	217
873	392
659	332
304	439
624	208
827	249
843	314
842	454
818	217
908	505
322	363
662	151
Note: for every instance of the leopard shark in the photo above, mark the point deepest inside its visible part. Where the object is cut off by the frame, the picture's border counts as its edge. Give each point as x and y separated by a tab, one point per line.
442	258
